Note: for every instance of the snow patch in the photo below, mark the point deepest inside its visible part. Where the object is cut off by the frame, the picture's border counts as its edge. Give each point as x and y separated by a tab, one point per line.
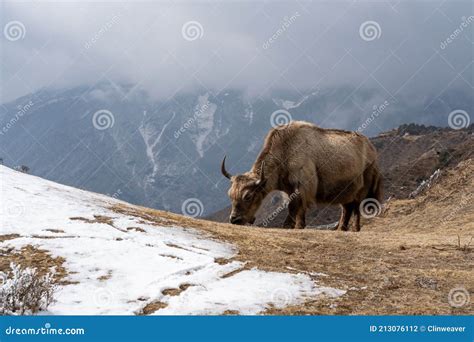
205	122
118	264
147	132
287	104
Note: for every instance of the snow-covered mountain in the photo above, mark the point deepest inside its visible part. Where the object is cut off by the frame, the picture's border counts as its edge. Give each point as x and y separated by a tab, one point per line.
121	264
116	140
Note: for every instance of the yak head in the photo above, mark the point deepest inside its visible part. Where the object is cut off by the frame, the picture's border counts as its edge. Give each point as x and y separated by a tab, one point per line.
246	192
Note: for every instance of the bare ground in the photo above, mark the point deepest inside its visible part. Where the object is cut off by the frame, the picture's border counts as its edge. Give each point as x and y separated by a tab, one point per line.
403	263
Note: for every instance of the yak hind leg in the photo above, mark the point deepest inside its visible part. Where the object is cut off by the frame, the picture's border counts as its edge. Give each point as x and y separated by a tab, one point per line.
346	214
300	218
357	217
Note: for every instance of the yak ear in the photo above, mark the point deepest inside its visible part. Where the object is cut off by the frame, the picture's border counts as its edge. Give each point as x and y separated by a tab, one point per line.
262	180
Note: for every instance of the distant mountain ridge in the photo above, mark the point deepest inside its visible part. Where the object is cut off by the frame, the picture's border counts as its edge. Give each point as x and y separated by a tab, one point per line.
117	140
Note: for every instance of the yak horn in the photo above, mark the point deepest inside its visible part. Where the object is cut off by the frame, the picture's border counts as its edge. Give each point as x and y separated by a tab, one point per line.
223	170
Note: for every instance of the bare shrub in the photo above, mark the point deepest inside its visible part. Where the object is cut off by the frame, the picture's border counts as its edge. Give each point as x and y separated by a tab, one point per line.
24	291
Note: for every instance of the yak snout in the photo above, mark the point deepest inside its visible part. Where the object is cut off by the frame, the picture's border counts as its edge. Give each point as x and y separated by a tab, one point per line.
239	220
236	220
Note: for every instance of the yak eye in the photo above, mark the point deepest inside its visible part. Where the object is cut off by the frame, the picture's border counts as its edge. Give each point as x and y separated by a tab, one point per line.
248	196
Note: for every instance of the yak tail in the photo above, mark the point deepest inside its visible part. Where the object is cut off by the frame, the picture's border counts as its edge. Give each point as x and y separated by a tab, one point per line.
376	190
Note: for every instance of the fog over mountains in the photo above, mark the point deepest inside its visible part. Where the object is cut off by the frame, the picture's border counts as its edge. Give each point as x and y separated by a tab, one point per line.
141	100
114	139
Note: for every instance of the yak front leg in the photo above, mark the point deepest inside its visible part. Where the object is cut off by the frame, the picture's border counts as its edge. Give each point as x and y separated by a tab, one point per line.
291	218
300	212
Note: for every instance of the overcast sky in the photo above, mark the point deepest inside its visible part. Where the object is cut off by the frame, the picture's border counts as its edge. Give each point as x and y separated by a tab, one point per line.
399	47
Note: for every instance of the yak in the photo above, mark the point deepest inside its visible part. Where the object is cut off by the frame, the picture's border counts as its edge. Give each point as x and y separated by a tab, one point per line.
311	165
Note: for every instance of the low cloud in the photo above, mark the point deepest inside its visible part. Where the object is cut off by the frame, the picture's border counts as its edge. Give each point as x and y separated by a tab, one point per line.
257	46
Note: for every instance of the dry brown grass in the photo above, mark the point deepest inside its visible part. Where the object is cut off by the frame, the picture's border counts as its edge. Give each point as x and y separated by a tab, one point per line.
6	237
32	257
176	291
388	268
152	307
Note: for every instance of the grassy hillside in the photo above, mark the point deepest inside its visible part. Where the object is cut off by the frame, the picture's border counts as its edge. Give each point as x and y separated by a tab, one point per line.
405	262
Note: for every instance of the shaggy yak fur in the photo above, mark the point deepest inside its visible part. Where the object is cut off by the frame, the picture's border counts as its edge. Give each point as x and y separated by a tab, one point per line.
311	165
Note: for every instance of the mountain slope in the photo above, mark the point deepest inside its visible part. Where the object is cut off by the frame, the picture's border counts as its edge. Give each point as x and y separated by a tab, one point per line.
115	139
415	259
113	263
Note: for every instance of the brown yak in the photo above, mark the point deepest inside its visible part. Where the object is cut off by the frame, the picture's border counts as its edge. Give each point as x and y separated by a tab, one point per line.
311	165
